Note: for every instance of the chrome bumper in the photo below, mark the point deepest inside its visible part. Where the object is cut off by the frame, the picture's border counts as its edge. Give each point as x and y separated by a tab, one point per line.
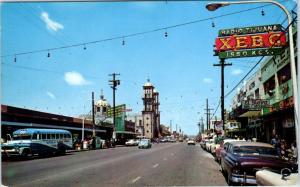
243	179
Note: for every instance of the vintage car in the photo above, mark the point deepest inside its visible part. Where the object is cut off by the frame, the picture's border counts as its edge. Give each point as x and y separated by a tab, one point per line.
240	161
131	142
284	178
145	143
208	144
203	142
219	149
215	145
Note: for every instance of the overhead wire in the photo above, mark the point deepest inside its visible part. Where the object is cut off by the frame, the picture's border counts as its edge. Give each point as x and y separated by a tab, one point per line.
133	34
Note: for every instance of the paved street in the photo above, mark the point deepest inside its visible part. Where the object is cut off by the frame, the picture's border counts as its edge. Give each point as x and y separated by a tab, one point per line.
169	164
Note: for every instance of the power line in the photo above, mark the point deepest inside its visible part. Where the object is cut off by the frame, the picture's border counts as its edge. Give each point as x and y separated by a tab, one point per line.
132	35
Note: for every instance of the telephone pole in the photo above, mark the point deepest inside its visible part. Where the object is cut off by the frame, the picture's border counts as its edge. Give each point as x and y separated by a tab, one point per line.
114	83
93	114
222	64
207	115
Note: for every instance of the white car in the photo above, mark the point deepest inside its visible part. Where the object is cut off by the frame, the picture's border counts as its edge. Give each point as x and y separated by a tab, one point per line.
191	142
208	144
131	142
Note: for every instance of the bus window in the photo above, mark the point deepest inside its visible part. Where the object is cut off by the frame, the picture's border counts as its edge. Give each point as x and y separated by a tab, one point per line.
44	136
68	136
52	136
34	136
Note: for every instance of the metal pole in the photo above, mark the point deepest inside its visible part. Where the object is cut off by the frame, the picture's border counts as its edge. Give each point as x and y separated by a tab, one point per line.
82	134
93	114
207	115
222	92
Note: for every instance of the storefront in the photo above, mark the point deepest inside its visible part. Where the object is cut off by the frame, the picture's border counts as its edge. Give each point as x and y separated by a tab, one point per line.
279	119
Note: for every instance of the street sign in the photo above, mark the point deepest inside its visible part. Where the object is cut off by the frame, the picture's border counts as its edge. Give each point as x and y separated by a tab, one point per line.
119	110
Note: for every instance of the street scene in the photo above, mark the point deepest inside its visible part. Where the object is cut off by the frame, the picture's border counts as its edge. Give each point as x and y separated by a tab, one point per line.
149	93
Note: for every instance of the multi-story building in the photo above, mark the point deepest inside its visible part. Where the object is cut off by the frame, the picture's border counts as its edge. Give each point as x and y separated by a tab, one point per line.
138	121
150	113
271	84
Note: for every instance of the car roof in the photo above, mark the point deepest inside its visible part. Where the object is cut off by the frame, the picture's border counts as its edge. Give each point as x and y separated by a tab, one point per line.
244	143
231	140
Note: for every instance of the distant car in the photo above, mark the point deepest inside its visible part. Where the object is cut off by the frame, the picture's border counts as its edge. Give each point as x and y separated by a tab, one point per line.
191	142
145	143
131	142
203	142
241	160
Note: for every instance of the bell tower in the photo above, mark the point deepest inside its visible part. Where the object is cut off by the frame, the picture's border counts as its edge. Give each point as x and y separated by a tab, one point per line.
148	111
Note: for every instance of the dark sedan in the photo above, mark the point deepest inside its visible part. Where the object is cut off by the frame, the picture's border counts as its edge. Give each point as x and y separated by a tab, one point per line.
241	160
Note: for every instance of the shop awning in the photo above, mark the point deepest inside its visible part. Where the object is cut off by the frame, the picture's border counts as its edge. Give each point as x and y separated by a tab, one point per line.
251	113
126	132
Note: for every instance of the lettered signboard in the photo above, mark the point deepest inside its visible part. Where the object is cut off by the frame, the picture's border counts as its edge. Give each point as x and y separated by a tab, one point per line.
255	41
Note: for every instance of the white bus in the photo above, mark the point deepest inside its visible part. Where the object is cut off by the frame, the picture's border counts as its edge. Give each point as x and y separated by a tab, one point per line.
28	142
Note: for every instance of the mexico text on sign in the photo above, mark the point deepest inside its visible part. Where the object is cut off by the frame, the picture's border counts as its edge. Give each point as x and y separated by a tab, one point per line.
250	30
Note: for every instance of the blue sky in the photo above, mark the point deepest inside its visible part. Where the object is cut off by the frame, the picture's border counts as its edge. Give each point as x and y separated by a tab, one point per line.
180	66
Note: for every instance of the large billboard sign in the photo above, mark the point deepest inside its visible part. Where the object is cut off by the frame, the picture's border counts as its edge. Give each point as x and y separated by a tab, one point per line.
265	40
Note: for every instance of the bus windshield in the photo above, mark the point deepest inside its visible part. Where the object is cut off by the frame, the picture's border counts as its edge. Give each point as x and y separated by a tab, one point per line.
22	137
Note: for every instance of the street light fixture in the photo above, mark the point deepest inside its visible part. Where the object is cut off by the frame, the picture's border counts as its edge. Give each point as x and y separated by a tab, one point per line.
215	6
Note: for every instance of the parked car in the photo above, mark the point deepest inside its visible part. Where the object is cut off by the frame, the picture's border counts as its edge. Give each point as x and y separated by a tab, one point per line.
131	142
215	145
221	148
269	178
191	142
240	160
145	143
208	144
203	142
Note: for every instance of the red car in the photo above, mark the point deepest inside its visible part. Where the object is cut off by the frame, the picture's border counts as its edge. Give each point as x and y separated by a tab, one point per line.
240	161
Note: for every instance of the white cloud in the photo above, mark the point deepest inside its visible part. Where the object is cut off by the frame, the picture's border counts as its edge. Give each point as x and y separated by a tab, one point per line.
207	80
74	78
51	95
236	72
51	25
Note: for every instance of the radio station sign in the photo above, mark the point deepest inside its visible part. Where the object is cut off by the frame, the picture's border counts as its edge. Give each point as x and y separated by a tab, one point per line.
265	40
255	104
250	30
237	42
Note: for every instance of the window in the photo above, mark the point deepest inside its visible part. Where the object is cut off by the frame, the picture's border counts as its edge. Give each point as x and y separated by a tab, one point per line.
98	109
147	131
284	74
44	136
52	136
34	136
269	86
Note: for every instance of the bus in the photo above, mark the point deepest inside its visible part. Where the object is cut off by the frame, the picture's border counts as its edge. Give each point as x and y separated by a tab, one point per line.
31	141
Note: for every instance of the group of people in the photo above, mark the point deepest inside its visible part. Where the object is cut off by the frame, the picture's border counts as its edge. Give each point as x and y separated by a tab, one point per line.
285	150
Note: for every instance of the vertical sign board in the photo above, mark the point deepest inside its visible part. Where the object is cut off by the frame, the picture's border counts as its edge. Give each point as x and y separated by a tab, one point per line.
266	40
120	112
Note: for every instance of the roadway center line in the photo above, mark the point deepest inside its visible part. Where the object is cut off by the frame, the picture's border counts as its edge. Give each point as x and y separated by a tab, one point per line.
154	166
136	179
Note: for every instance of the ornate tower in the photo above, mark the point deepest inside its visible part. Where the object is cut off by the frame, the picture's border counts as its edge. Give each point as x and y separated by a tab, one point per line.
148	111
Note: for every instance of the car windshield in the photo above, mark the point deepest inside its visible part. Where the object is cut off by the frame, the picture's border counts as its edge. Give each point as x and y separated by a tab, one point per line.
255	150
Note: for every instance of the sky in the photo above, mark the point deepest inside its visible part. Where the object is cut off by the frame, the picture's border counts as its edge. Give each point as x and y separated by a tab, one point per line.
180	66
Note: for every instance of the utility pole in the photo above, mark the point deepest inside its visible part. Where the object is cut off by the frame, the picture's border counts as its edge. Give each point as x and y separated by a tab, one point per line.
114	83
207	115
93	114
222	64
201	124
